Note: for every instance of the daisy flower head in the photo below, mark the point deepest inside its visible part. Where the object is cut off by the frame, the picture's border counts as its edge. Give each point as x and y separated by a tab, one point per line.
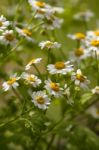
53	88
31	79
40	99
3	23
52	23
60	68
37	5
95	90
79	54
12	82
84	16
8	37
31	62
25	33
49	45
77	36
79	79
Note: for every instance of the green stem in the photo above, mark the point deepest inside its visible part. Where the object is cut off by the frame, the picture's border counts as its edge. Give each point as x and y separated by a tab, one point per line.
38	71
16	118
50	142
1	63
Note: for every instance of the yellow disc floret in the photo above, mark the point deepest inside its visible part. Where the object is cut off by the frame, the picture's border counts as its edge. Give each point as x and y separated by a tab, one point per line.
40	4
54	86
96	33
80	36
27	32
10	37
59	65
11	81
40	99
30	78
79	52
80	77
95	43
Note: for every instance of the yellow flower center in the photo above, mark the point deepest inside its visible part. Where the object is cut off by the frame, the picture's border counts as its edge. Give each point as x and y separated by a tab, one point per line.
11	81
49	44
96	33
1	24
80	36
59	65
27	32
79	52
54	86
95	43
9	37
30	78
40	100
32	61
40	4
80	77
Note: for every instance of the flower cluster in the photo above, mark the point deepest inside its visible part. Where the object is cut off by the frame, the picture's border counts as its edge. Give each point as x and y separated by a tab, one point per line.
47	14
61	78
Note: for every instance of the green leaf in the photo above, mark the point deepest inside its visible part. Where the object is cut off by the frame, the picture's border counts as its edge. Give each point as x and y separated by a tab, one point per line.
85	98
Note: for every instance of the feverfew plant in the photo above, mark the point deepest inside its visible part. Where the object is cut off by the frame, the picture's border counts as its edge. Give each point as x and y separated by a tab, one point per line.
49	93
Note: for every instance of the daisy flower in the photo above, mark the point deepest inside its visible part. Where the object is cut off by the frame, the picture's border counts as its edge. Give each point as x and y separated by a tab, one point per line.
53	88
79	54
12	82
95	90
80	79
31	62
40	99
3	23
84	16
37	5
60	68
31	79
49	44
52	23
8	37
25	33
77	36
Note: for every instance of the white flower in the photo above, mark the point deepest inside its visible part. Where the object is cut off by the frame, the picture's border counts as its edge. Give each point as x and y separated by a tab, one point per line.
12	82
60	68
80	79
31	79
37	5
79	54
25	33
31	62
8	37
94	111
3	23
40	99
53	88
52	23
84	16
77	36
49	44
95	90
